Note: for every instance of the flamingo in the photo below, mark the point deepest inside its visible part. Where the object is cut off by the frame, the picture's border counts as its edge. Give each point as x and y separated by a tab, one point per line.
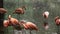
46	14
29	26
3	11
5	23
9	22
19	11
57	22
13	22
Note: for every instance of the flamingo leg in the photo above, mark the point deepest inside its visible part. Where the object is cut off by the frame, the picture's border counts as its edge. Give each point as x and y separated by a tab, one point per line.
58	30
36	32
20	32
7	30
25	31
13	31
30	32
18	16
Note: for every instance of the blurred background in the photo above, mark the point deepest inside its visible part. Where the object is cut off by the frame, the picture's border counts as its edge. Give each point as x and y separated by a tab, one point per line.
33	12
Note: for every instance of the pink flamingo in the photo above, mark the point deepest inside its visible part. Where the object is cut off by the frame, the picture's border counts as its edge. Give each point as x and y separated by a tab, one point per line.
3	11
46	14
13	22
29	26
19	10
57	22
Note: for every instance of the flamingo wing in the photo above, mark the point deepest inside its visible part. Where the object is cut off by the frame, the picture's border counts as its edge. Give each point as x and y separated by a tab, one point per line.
32	26
14	21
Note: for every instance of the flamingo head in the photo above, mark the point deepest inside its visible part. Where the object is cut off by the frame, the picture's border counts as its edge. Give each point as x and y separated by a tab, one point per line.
9	17
23	7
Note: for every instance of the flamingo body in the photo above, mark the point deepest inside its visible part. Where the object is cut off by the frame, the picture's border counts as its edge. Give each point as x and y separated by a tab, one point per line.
20	10
5	23
46	14
3	11
30	26
57	20
12	20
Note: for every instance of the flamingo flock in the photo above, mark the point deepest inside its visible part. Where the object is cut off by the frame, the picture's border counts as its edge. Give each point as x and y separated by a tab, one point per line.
11	22
19	25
